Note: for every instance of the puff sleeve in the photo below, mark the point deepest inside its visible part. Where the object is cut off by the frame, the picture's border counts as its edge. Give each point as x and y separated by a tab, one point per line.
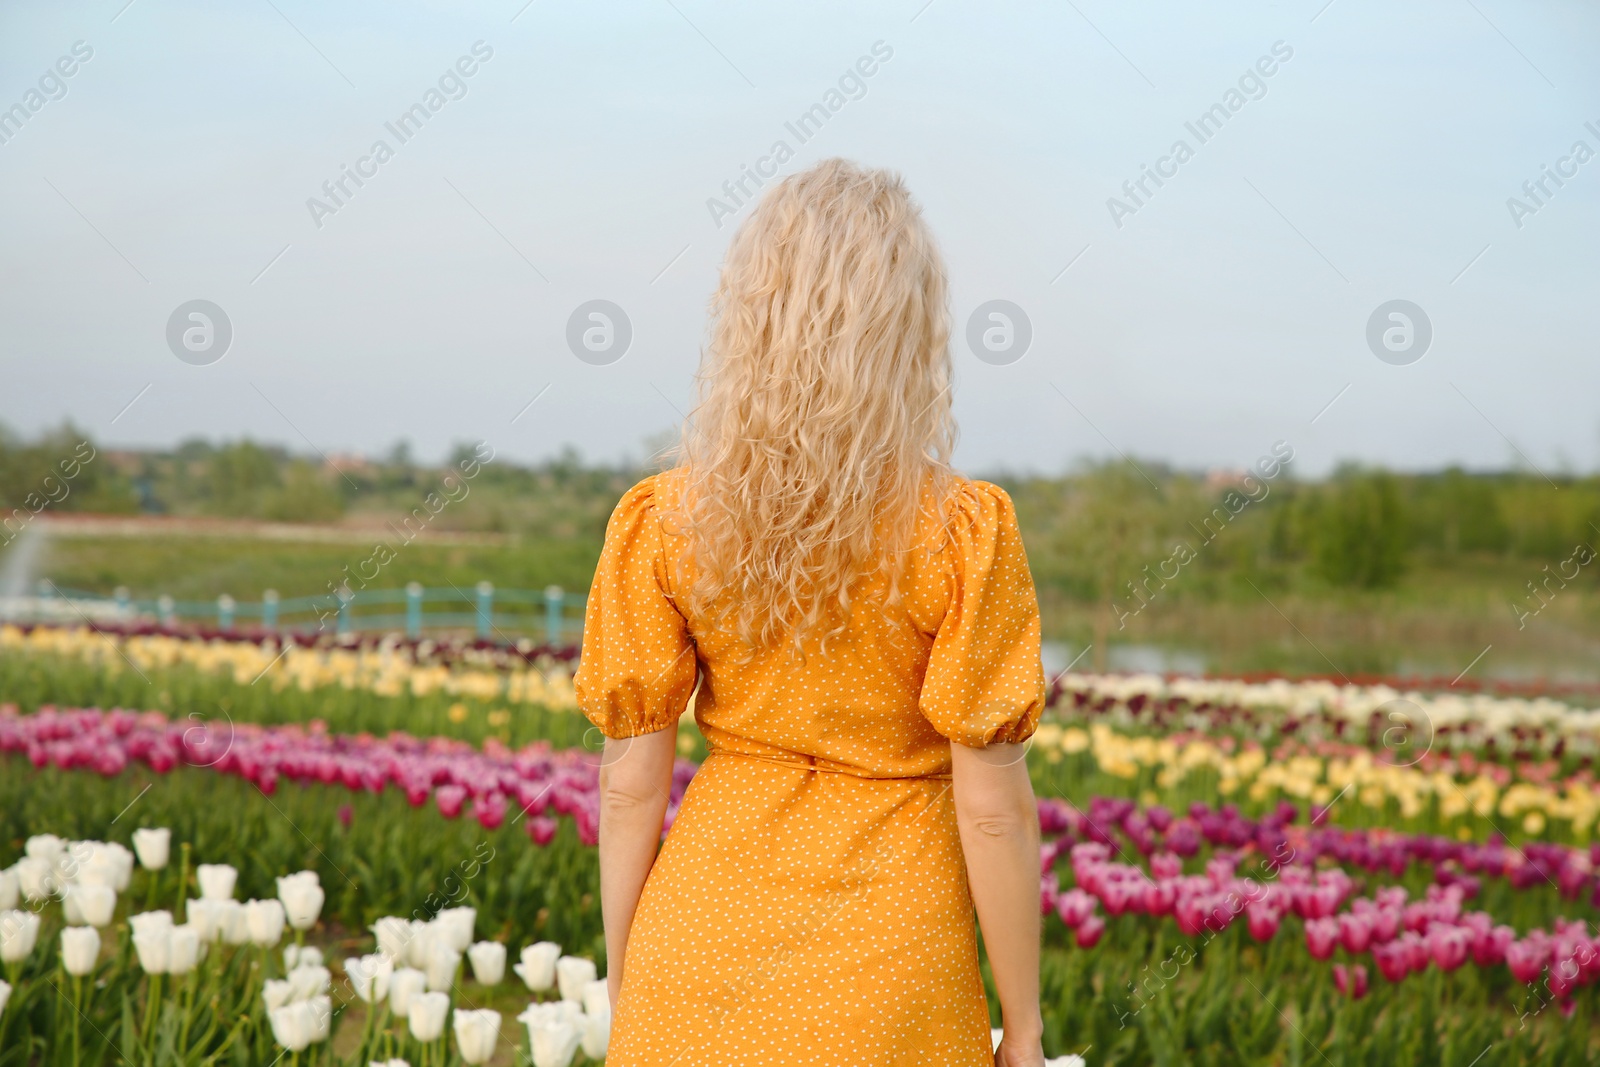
637	666
985	682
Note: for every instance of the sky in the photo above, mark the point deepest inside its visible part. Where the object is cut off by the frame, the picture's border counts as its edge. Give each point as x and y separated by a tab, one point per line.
446	298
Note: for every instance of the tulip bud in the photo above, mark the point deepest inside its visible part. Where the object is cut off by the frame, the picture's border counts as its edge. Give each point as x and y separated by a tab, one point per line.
426	1015
572	974
183	949
80	949
405	985
264	921
216	880
476	1032
302	898
369	976
488	962
538	966
154	847
19	931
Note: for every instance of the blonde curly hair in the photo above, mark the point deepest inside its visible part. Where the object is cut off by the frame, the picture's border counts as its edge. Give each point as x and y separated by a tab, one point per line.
823	410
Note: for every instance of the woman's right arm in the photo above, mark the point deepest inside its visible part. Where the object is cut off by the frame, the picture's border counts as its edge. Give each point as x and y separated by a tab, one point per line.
999	824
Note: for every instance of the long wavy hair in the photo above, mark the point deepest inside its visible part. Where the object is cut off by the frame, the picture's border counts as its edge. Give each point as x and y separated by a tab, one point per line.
823	408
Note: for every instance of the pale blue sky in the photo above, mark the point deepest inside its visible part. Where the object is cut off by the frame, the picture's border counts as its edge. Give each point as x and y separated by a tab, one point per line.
1223	315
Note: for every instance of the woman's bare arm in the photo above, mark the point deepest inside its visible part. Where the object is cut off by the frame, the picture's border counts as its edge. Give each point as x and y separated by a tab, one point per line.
635	782
999	824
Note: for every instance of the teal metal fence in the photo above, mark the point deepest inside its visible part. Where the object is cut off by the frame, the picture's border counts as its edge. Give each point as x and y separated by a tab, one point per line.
503	614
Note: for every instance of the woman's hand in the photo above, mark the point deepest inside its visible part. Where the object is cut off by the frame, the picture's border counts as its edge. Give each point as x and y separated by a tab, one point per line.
1019	1053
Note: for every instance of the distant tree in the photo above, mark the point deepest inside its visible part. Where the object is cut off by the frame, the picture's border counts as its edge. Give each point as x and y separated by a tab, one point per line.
1357	530
306	496
1115	523
238	478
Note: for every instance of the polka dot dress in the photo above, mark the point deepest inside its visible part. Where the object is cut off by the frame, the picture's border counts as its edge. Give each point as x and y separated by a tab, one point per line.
810	904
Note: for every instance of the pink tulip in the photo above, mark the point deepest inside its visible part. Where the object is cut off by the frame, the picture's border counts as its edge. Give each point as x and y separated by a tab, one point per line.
1165	865
1090	931
1449	945
1321	935
1526	959
1355	932
1263	922
1352	982
1075	907
1392	960
450	798
542	830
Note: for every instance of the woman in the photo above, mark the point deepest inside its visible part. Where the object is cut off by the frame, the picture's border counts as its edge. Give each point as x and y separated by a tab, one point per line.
864	633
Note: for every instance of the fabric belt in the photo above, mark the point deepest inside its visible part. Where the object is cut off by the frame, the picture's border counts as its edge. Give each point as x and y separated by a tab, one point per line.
809	764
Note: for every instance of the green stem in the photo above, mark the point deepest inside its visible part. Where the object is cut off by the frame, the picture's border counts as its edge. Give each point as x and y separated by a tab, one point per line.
183	880
77	996
152	998
188	1011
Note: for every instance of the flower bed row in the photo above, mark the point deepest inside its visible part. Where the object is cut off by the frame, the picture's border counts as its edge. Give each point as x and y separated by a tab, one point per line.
1456	787
534	781
1379	715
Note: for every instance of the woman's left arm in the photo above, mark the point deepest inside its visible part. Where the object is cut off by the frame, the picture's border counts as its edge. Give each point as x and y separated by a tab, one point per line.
635	783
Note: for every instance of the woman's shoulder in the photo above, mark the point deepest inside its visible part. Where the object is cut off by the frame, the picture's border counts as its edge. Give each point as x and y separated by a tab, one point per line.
951	497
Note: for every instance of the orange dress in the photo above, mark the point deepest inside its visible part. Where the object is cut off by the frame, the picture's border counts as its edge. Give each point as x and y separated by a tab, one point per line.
810	904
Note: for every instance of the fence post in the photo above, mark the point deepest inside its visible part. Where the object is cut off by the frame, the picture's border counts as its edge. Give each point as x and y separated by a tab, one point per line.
344	610
553	597
225	606
269	611
485	609
123	601
413	610
166	611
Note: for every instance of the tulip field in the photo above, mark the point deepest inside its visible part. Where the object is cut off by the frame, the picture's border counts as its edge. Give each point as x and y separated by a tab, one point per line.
221	852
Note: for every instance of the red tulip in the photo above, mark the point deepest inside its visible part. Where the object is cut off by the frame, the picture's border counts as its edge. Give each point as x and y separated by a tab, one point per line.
1392	960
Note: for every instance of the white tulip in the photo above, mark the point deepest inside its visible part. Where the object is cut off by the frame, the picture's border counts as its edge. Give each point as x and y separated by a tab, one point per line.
206	917
553	1011
477	1032
183	949
554	1044
459	923
294	1026
47	847
392	933
88	905
405	985
264	920
10	889
595	997
387	1063
994	1039
36	877
301	956
233	925
572	974
307	981
425	1015
150	920
369	976
419	946
488	962
302	898
538	966
596	1034
5	995
80	949
276	992
19	932
154	847
1069	1060
442	966
322	1017
154	948
216	880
